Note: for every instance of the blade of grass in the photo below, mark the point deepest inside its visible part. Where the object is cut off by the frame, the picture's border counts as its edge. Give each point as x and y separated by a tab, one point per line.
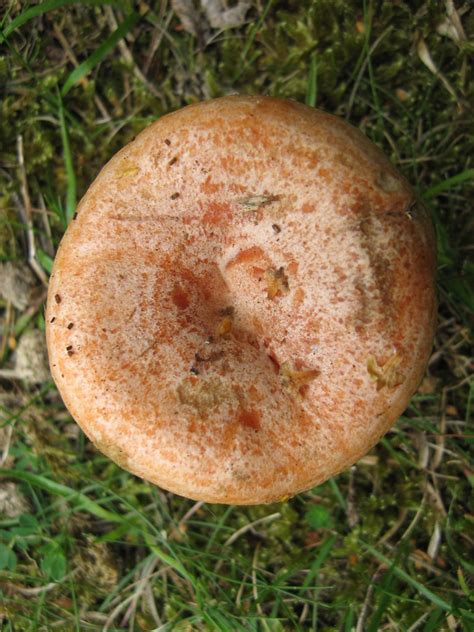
71	198
102	51
174	563
312	91
45	260
40	9
348	619
337	493
323	552
81	501
386	596
449	183
434	621
251	38
403	575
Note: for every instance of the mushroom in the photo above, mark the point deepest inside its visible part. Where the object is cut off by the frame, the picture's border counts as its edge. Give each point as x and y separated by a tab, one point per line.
215	356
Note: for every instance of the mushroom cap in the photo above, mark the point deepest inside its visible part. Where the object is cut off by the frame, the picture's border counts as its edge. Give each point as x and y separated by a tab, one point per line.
245	301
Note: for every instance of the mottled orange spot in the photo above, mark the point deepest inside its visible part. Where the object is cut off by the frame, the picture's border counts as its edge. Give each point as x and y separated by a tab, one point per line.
250	419
169	456
298	297
237	188
180	298
254	394
308	207
257	325
229	433
245	256
216	213
292	267
210	187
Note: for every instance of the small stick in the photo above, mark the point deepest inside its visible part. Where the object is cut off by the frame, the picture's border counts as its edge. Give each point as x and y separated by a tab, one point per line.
49	246
352	514
368	596
127	55
6	447
6	328
249	526
156	40
84	81
26	216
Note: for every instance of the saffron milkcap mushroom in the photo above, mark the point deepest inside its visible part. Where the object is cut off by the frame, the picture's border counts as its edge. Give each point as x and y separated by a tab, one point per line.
244	303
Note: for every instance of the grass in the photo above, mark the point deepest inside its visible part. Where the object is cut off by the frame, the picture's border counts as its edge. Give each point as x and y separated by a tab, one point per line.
385	546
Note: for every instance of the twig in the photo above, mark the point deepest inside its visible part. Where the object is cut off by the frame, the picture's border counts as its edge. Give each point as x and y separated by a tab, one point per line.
254	582
31	592
146	573
419	621
435	495
362	69
26	216
249	526
304	612
127	55
435	541
352	515
238	598
395	527
368	596
6	447
150	602
6	328
84	81
156	39
196	507
49	246
425	57
440	438
416	518
116	611
185	518
424	451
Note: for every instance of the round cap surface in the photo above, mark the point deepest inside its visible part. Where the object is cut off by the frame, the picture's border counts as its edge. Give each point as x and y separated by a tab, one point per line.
245	301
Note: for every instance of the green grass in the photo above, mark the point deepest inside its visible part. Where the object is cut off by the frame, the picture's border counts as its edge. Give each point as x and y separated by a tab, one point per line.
385	546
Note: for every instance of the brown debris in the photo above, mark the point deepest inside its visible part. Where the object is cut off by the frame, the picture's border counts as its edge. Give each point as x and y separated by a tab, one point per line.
222	17
297	378
127	169
217	15
215	355
386	375
254	202
30	359
12	502
203	394
17	284
277	282
225	325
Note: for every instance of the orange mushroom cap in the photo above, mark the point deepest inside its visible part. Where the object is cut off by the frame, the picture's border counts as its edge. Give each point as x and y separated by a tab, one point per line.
245	301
